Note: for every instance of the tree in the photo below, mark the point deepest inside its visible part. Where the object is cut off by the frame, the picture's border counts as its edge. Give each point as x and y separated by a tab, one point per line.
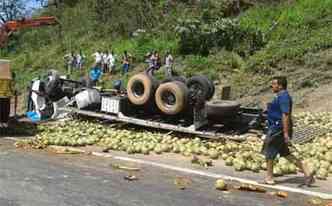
11	10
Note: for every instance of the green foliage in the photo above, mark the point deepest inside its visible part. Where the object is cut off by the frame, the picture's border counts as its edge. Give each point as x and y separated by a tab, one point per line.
213	66
289	30
148	43
256	41
197	37
125	16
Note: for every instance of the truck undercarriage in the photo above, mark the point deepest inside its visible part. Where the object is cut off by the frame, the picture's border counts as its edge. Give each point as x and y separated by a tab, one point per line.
196	117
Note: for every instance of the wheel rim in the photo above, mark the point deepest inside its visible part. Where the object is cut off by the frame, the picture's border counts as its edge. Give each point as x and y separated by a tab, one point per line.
138	89
168	99
196	90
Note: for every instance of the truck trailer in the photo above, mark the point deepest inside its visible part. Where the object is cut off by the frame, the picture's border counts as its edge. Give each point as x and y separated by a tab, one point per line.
176	104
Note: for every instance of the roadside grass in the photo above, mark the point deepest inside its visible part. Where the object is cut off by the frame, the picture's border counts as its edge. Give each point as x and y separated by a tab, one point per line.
291	30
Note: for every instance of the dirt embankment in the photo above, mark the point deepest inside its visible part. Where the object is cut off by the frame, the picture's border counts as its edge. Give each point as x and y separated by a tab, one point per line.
309	82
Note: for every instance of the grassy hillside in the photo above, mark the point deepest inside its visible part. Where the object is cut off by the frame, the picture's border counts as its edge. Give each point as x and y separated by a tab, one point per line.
240	48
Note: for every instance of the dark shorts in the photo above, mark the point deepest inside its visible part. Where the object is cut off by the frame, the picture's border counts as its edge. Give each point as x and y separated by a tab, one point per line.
125	68
274	146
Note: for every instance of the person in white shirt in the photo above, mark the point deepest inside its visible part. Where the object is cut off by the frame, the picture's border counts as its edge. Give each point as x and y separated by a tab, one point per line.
111	61
38	96
168	64
105	62
98	57
69	61
78	61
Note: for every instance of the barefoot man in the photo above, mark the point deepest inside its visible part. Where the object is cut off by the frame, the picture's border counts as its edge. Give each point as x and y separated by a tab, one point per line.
280	128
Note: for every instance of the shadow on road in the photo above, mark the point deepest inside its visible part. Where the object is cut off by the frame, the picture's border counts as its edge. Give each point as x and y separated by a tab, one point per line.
299	181
19	128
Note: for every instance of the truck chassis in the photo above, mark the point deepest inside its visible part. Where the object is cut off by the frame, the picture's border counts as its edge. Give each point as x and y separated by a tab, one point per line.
115	108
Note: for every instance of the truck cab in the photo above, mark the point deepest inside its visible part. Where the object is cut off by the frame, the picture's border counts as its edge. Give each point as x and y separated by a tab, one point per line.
6	91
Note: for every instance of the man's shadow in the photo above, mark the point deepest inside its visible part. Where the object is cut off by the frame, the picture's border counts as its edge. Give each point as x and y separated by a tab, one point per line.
299	181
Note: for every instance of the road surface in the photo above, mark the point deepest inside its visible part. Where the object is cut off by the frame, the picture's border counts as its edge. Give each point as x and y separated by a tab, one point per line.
40	178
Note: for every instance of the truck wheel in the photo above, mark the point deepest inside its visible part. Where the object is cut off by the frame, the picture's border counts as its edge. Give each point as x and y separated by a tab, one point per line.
219	109
140	89
211	87
53	87
171	97
199	88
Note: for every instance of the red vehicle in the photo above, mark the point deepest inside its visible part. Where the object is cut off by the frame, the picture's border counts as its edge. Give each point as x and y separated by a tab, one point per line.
12	26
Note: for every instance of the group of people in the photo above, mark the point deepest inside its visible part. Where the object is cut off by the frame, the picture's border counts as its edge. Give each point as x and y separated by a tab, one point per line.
106	60
154	62
74	61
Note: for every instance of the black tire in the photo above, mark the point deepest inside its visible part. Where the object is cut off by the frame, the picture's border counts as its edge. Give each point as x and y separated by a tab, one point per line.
199	88
53	88
211	87
141	88
175	78
221	109
172	97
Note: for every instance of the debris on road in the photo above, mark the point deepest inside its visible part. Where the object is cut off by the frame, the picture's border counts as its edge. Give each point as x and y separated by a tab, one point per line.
250	188
279	194
130	177
316	201
121	167
29	144
65	150
282	194
182	182
220	184
202	162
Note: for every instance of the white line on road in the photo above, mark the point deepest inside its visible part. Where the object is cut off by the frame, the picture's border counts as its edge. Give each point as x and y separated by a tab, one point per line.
225	177
12	138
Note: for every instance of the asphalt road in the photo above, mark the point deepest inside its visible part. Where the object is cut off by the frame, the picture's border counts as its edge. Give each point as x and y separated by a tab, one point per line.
40	178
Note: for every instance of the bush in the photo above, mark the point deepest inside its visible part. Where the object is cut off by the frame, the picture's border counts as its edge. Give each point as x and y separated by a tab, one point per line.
197	37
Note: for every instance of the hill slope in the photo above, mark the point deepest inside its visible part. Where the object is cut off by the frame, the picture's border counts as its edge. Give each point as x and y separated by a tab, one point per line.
242	45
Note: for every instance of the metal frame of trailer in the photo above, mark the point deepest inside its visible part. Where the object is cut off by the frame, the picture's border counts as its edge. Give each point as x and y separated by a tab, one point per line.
113	110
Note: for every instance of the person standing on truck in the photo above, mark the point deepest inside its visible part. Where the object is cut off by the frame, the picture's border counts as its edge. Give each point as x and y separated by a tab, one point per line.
280	129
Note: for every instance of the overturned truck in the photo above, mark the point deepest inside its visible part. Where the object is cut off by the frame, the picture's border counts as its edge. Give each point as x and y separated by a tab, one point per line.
175	103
